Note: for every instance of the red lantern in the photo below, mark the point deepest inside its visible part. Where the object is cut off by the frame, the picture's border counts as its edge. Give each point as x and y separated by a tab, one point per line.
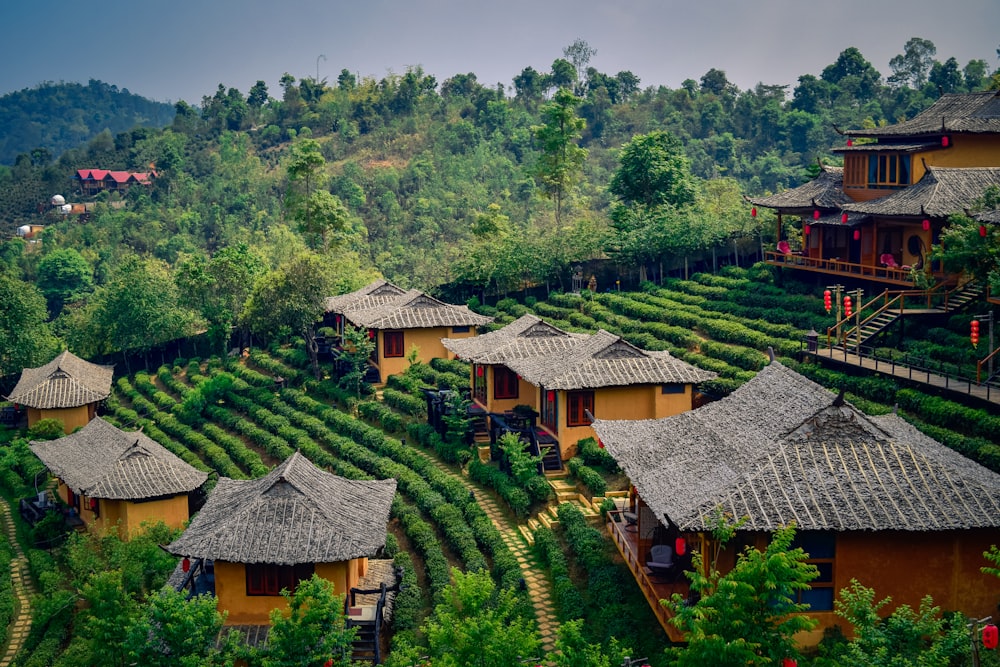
974	333
600	444
990	636
926	224
93	504
680	546
753	212
843	218
816	214
806	229
479	371
944	141
847	306
186	565
328	663
371	334
827	301
550	396
857	234
789	662
982	230
850	142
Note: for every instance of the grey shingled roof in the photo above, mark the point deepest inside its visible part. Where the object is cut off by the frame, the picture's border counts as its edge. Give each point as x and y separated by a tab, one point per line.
975	113
942	191
989	217
297	513
102	461
781	449
546	356
382	305
65	382
883	147
824	191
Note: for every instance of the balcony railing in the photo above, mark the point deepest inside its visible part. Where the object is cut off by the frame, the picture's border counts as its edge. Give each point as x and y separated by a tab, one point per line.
893	274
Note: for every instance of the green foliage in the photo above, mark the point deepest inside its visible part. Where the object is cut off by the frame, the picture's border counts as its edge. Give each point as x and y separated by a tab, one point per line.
312	631
573	649
587	476
26	340
47	429
171	630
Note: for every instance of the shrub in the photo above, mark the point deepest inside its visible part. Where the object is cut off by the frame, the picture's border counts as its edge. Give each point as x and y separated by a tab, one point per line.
589	477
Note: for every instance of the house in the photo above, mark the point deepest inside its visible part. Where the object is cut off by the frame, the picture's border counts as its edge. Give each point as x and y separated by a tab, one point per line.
567	378
116	480
267	534
872	498
398	320
876	218
67	388
93	181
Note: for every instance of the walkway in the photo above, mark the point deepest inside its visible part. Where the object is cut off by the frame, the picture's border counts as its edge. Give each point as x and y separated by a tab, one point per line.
539	588
24	588
950	385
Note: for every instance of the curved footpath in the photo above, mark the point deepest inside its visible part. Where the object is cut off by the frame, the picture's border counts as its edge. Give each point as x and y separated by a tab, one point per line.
24	588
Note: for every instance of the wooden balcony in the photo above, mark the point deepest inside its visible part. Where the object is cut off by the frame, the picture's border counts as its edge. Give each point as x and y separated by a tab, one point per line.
653	588
893	275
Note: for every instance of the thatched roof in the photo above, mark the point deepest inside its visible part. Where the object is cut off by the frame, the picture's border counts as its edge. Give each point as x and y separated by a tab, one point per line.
975	113
548	357
782	449
824	191
383	305
65	382
942	191
904	147
297	513
102	461
989	217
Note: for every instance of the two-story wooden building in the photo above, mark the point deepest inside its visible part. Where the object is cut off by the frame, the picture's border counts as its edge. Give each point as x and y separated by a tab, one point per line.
566	378
67	388
398	320
265	535
116	480
92	181
871	498
877	217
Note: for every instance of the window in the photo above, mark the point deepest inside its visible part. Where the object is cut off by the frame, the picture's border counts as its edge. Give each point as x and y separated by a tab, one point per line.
479	383
550	409
578	403
392	344
504	382
456	330
672	389
266	579
888	170
821	547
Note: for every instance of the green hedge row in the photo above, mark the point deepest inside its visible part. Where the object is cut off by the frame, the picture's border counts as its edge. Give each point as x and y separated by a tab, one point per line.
492	477
569	602
406	403
587	476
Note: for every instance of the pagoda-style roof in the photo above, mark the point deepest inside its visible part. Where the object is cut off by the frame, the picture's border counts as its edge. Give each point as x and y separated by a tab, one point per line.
383	305
974	113
782	449
881	147
546	356
295	514
824	191
65	382
989	217
102	461
941	192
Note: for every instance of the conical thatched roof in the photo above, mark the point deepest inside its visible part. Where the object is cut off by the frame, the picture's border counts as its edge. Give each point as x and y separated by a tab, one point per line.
296	514
382	305
782	449
65	382
102	461
546	356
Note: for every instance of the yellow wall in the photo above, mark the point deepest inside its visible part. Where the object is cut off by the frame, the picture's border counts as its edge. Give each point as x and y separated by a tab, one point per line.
428	341
126	516
243	609
72	418
527	394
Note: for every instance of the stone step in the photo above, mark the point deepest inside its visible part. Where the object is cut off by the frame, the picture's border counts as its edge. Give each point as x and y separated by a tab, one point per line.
529	536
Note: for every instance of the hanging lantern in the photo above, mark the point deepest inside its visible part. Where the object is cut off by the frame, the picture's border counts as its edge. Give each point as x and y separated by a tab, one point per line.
857	234
550	396
680	546
336	319
753	212
926	224
982	230
600	444
93	504
371	334
479	371
944	141
990	636
843	218
186	564
806	229
789	662
850	142
827	301
974	333
847	306
816	214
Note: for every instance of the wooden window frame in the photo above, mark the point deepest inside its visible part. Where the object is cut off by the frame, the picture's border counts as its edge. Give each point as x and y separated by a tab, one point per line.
825	562
550	409
886	170
577	405
505	383
393	345
266	579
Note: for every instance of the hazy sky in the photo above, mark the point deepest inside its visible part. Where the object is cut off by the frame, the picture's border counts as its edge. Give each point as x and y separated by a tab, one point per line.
183	49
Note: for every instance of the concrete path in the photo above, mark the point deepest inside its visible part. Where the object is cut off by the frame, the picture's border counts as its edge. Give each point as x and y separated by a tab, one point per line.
24	588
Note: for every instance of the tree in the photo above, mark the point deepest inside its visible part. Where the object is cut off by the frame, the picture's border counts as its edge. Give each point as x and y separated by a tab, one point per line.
313	632
64	276
561	159
653	170
26	340
947	76
749	615
293	296
579	54
573	650
171	630
852	77
317	212
913	65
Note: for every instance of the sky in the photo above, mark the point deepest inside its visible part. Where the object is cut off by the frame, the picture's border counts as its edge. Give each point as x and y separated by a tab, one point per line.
183	49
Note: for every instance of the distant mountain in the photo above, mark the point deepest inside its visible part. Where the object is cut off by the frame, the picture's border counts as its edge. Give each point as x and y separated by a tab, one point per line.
60	116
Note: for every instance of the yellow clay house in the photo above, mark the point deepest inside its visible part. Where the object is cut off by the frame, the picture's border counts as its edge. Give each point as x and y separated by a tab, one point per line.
116	480
67	388
398	320
267	534
567	378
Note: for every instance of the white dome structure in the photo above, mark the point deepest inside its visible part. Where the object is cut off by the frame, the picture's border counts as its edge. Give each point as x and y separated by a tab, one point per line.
23	230
58	200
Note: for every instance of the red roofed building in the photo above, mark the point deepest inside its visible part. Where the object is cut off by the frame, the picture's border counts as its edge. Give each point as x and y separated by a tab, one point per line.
93	181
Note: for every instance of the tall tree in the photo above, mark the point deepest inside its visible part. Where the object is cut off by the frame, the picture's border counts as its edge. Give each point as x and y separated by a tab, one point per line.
579	54
26	340
313	632
561	159
914	64
64	276
653	170
318	213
